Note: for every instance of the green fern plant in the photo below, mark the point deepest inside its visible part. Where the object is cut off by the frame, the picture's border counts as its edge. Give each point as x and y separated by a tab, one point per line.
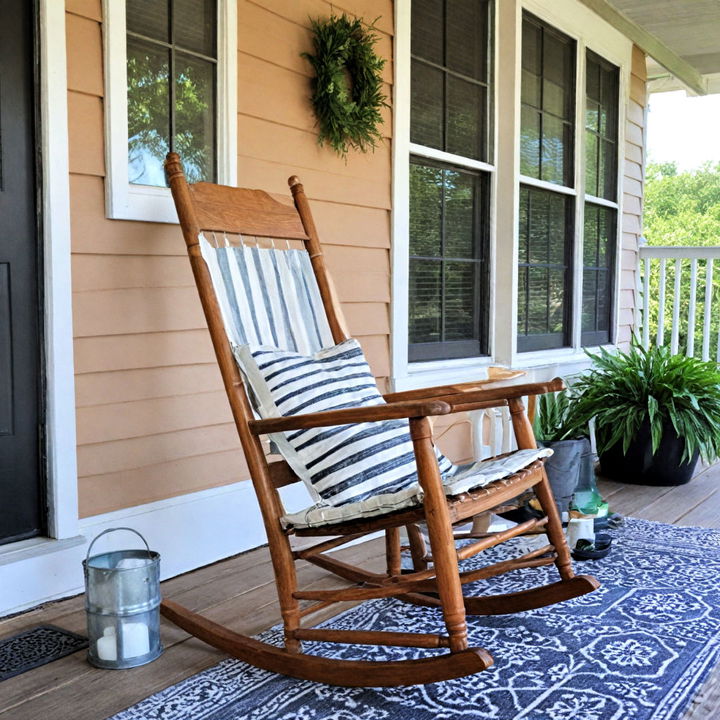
622	390
555	418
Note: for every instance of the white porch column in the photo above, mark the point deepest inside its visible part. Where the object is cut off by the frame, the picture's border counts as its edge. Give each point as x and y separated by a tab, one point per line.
507	138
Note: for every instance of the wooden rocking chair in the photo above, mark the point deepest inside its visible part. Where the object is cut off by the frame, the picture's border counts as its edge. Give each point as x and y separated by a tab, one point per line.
205	210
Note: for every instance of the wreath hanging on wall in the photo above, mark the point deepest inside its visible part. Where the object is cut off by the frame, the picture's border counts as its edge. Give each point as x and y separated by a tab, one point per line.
347	87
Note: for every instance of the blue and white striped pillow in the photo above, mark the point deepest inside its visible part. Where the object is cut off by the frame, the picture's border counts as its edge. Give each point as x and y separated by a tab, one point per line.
342	464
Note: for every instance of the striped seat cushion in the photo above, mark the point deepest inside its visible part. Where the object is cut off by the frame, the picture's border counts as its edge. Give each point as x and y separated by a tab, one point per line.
463	479
343	464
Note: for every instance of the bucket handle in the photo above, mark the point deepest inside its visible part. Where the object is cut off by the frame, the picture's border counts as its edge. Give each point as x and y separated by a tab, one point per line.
109	530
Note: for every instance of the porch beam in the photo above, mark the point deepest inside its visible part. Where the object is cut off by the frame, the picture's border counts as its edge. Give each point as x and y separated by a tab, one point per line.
650	44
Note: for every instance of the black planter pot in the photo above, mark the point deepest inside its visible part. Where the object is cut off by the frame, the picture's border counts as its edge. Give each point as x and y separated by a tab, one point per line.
639	466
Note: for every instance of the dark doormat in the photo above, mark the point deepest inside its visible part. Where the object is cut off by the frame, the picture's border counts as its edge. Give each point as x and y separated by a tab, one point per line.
36	647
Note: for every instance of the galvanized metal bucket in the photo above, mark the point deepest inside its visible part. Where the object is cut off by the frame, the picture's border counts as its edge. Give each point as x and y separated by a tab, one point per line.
122	601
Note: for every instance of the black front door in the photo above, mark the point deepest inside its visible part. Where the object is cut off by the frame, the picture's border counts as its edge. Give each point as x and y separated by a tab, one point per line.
22	512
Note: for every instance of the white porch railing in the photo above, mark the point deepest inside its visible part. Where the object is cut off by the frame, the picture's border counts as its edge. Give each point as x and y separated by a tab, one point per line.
680	299
679	304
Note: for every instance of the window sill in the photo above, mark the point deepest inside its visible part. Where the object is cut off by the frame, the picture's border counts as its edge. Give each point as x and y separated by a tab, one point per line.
442	372
567	360
34	547
548	358
541	365
143	203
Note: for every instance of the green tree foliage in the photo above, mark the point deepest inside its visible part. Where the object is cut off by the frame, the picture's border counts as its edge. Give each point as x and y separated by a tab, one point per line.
682	209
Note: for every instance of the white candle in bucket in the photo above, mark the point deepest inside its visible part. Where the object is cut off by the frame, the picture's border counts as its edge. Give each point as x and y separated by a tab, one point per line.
135	639
581	528
132	563
107	645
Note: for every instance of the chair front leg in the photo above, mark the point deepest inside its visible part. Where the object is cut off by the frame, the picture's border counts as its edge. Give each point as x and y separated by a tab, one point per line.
442	542
554	529
524	435
526	439
392	551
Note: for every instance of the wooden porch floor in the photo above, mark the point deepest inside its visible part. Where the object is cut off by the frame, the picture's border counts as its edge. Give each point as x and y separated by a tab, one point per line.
239	592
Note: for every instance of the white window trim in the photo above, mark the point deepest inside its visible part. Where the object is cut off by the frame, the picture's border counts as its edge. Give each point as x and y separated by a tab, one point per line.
400	255
546	185
402	369
574	19
602	201
449	158
143	202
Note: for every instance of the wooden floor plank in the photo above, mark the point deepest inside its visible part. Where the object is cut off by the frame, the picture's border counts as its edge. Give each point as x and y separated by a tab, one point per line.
54	612
47	614
706	514
630	499
249	607
706	705
240	592
671	506
608	488
180	660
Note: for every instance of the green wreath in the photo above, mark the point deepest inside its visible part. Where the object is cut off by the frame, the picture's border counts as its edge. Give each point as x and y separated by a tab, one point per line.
347	88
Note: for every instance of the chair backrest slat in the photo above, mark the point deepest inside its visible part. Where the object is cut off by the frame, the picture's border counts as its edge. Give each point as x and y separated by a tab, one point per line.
242	211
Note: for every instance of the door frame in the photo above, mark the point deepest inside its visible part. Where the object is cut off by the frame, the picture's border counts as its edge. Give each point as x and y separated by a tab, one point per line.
54	205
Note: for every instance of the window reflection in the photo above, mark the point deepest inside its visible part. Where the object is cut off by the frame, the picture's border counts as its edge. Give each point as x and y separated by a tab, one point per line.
543	269
148	112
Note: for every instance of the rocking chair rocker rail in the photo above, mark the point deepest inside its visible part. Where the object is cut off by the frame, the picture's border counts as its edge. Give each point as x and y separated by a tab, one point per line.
347	673
213	208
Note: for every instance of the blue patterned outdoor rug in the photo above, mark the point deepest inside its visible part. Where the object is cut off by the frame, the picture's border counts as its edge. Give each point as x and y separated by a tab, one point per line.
637	649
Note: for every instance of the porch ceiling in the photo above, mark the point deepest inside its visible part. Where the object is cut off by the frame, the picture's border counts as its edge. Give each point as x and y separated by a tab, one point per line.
682	38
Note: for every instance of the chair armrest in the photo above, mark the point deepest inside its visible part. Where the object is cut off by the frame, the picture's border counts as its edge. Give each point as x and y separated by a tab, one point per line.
348	416
490	393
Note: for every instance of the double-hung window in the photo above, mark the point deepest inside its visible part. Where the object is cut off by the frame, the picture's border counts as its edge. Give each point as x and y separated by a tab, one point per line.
506	193
170	77
546	232
549	187
602	82
450	160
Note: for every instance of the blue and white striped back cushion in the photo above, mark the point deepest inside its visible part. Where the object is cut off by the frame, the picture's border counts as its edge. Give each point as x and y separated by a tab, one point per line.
268	297
342	464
